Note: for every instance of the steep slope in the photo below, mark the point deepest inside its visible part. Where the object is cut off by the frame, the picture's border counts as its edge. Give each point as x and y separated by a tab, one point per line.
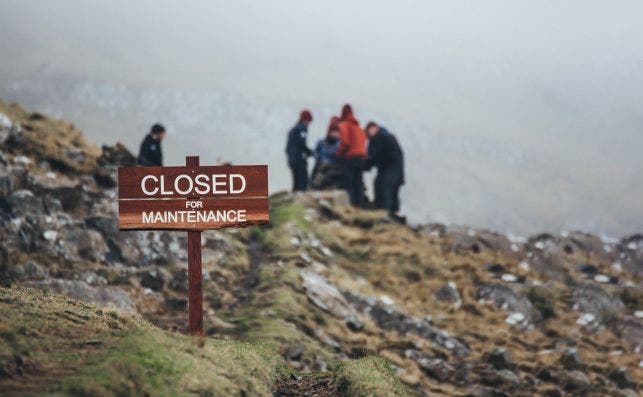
51	344
350	302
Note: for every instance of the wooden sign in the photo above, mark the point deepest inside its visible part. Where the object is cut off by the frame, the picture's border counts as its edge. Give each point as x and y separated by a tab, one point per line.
192	198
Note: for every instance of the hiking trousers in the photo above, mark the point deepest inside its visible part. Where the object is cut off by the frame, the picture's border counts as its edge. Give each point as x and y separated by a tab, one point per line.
353	169
387	189
299	176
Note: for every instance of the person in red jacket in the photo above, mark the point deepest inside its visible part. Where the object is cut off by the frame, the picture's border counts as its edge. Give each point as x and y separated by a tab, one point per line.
351	153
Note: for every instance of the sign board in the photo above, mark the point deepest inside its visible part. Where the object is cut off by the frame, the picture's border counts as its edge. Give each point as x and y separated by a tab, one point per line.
192	198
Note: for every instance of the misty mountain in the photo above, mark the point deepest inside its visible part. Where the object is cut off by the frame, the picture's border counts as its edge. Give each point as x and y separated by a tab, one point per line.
515	117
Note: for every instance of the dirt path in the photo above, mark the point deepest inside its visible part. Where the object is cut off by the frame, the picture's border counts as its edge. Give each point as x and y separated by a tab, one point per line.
317	385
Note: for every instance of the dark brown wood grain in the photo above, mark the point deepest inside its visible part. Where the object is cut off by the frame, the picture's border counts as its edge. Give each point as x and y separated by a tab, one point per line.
130	213
129	180
195	274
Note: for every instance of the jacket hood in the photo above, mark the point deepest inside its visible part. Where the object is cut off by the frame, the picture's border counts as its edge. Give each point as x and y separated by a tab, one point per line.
351	119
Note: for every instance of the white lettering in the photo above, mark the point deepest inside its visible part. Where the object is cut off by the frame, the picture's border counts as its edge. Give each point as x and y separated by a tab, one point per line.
201	180
201	216
193	204
163	191
158	217
148	217
211	217
243	183
242	215
215	184
191	216
144	187
194	216
171	217
177	181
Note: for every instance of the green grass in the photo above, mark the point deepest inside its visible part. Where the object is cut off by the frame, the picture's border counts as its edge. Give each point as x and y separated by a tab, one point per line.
369	376
160	364
54	345
293	212
51	345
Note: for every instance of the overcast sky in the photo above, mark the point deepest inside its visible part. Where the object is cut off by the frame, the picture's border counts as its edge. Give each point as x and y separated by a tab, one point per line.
515	115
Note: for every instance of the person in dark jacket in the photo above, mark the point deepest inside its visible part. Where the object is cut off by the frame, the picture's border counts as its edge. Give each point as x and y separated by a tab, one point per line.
385	153
351	153
327	173
150	153
298	151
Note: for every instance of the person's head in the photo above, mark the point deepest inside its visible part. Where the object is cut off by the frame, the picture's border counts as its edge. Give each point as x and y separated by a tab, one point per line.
347	111
158	131
372	129
332	134
305	116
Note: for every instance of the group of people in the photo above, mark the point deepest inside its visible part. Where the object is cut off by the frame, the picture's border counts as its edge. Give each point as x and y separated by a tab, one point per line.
342	157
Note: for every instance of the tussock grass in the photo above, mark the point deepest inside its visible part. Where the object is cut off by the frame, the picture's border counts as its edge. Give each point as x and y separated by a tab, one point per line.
59	346
369	376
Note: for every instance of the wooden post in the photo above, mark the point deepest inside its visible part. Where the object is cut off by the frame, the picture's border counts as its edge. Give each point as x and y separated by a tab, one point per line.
195	277
158	198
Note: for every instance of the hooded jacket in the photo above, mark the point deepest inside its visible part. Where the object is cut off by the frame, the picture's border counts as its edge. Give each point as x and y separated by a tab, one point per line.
352	139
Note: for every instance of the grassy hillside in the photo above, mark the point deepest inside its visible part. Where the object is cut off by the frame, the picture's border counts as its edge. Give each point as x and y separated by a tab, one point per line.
53	345
326	300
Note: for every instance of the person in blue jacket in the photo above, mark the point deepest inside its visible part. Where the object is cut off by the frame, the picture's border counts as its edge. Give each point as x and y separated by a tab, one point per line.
385	153
298	152
326	148
150	153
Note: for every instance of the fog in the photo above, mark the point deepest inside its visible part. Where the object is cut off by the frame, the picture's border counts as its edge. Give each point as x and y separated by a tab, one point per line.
516	116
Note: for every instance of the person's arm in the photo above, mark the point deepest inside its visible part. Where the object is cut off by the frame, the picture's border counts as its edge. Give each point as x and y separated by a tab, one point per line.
155	155
159	155
318	151
374	153
301	143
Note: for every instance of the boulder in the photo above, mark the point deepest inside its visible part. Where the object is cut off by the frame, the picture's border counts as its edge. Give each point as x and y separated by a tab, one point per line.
622	378
30	270
176	303
104	295
82	243
631	254
449	293
592	299
571	360
153	279
576	382
505	298
503	378
499	359
116	155
387	317
435	368
23	202
325	295
179	280
6	184
631	330
106	225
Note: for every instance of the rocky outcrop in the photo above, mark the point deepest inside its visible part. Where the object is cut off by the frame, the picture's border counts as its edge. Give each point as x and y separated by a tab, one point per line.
455	310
